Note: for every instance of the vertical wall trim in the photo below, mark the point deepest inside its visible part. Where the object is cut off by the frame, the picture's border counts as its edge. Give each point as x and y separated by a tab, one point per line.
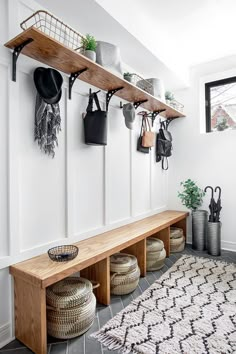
151	177
106	216
13	171
67	182
131	171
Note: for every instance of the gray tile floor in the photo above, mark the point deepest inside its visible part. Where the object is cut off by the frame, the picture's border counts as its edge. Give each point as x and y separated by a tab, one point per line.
85	345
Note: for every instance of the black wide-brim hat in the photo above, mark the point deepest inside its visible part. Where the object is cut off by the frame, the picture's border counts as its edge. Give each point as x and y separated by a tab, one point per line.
48	83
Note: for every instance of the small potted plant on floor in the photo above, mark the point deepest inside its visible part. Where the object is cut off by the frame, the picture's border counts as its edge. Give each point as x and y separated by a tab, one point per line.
89	45
192	198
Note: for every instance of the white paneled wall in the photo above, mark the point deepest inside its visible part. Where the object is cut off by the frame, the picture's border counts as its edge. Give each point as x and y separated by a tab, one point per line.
83	191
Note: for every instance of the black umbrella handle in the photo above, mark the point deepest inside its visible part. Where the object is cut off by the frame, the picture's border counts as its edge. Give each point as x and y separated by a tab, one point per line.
212	190
219	191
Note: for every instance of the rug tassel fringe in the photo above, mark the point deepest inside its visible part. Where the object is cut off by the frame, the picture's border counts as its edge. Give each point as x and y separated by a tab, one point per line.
110	343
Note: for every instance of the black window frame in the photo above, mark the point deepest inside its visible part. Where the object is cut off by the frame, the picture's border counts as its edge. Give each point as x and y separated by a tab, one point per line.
208	87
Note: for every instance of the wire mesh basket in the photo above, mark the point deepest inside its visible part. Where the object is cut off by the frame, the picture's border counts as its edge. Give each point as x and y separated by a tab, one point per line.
177	105
137	80
63	253
53	27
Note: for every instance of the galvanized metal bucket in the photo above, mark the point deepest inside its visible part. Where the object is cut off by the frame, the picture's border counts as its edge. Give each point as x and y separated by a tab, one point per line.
199	227
214	238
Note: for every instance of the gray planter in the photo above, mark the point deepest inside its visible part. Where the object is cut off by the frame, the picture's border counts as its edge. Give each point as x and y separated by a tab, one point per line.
214	238
199	229
90	54
108	55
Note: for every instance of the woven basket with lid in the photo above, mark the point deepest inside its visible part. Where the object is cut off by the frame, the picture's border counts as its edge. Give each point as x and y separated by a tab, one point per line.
176	232
122	263
156	260
71	307
177	244
156	254
69	292
154	244
125	273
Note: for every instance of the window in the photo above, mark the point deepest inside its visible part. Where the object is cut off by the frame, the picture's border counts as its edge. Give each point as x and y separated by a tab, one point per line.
220	100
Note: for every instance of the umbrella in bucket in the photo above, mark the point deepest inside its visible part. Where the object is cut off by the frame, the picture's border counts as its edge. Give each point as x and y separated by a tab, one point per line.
218	205
215	207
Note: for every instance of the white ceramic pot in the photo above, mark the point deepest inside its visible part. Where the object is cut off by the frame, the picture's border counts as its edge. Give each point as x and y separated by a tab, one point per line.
90	54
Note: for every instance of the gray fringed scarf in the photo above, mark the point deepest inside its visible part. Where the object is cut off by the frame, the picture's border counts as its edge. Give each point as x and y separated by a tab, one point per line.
47	125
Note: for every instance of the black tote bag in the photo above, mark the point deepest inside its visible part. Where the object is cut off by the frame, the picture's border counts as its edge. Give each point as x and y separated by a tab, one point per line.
95	123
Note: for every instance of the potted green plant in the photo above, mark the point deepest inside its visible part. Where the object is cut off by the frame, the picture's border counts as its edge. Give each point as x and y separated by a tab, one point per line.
169	96
192	197
89	46
129	77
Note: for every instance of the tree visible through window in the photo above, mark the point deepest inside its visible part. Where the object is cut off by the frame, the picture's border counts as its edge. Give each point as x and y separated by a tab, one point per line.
220	104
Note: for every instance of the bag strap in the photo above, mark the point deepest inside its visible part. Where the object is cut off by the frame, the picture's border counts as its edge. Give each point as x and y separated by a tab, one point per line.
147	121
90	103
95	96
142	127
165	168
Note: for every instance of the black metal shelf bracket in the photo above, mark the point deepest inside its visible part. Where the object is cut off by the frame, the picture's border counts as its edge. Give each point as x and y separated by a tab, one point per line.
16	52
138	103
155	114
73	77
169	120
109	95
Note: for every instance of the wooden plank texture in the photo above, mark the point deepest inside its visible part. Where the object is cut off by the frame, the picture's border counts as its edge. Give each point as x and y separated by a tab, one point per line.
43	272
139	251
30	316
51	52
99	272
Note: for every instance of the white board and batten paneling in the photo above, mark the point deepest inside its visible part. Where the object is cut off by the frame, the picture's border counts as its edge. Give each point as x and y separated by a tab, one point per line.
83	191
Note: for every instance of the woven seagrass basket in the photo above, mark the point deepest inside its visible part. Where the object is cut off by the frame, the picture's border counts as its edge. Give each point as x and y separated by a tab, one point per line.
154	244
176	232
122	263
177	244
71	307
125	273
156	260
122	284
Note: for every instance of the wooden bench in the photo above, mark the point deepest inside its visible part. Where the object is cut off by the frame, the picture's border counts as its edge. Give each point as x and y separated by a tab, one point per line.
33	276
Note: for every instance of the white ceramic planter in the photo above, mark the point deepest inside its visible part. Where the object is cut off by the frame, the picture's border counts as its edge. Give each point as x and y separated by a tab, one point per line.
90	54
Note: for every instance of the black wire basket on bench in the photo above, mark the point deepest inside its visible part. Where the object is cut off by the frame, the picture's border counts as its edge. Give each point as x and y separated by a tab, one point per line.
63	253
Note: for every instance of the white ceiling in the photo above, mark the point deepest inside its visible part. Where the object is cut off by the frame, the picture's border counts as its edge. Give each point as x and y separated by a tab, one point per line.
180	33
87	16
158	38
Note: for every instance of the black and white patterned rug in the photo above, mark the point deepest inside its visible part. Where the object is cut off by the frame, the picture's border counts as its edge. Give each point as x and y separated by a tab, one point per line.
190	309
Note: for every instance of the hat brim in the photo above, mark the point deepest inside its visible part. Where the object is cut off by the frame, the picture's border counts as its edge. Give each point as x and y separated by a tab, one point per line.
129	114
129	124
53	100
40	87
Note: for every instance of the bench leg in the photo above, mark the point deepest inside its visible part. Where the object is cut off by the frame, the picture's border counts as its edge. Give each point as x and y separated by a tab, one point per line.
30	316
100	272
139	251
182	225
164	235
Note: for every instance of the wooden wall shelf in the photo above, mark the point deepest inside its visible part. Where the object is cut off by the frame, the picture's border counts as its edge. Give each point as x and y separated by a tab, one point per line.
51	52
